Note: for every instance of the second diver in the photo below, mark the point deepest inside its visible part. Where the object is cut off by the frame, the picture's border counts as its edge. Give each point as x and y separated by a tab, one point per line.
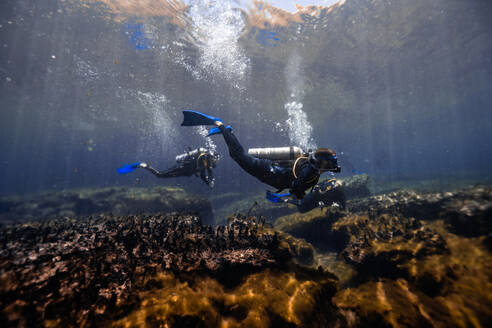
196	162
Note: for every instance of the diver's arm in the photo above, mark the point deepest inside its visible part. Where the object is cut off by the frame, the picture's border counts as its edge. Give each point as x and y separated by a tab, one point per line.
306	178
308	203
325	194
303	205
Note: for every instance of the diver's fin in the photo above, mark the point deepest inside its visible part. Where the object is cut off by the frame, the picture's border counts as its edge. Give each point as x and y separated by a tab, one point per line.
127	168
216	130
276	197
194	118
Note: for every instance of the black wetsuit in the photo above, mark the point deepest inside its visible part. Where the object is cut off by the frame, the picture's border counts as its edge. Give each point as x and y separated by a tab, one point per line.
192	166
269	173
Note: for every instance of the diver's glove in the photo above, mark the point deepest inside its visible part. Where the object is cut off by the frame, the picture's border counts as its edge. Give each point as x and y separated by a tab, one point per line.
276	198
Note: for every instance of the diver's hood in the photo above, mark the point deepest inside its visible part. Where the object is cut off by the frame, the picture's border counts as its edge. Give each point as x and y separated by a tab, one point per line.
324	162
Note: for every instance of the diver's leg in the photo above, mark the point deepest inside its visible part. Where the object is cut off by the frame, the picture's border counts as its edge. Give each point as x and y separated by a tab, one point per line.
170	173
260	168
206	176
203	166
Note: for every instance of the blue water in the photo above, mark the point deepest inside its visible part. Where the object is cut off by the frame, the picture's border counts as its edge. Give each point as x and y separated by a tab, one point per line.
402	89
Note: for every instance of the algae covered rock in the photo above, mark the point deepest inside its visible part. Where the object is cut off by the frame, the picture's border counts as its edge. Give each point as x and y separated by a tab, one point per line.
467	211
378	246
78	271
315	227
94	270
270	298
418	259
442	290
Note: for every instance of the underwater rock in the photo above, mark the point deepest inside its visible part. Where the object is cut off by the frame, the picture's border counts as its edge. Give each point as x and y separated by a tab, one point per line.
270	298
356	186
114	200
411	264
467	211
375	246
487	242
82	271
378	246
293	248
315	227
442	290
299	249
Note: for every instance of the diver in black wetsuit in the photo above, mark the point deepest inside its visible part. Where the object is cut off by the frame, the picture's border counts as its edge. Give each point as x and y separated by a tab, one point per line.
304	175
198	161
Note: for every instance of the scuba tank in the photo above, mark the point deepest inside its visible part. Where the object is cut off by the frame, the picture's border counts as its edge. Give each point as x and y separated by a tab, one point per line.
190	155
283	156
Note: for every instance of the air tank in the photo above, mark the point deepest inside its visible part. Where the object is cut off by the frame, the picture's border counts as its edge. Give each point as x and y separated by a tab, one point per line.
192	154
280	154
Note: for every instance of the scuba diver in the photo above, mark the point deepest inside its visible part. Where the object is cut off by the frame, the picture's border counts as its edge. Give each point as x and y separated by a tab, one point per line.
304	173
196	162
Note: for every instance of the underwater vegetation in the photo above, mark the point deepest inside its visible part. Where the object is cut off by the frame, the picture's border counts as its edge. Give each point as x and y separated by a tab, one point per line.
384	262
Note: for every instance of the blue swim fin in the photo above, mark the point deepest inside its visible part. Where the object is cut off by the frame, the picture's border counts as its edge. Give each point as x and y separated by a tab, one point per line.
127	168
194	118
276	197
216	130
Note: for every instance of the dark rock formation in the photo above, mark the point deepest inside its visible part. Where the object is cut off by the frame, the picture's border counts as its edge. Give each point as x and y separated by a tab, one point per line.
115	200
316	228
413	267
383	232
356	186
377	247
172	270
442	290
78	272
467	211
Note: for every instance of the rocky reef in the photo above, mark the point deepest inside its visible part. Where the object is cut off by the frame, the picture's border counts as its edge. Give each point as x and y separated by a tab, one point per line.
467	211
411	260
114	200
92	271
389	260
